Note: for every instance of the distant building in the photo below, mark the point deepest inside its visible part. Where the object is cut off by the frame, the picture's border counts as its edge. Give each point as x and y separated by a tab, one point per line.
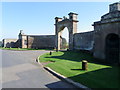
9	43
30	41
36	41
0	43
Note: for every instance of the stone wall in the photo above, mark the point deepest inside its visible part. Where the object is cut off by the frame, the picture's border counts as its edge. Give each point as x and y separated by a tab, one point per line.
41	41
83	41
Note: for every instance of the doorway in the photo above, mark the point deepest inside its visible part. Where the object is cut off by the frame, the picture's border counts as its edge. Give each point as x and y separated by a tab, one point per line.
112	48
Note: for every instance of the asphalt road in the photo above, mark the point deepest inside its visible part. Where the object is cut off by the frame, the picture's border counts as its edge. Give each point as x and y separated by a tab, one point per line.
20	70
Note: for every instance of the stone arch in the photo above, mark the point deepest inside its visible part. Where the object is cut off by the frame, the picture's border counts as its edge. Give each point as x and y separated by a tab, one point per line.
112	48
71	25
60	32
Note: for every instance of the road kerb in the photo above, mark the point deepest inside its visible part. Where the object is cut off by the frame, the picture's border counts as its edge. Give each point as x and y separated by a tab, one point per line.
78	85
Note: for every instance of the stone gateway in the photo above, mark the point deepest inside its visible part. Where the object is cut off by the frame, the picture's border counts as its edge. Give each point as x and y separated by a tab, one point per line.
71	24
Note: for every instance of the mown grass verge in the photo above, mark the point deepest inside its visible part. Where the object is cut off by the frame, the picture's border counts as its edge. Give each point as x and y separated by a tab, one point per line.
68	63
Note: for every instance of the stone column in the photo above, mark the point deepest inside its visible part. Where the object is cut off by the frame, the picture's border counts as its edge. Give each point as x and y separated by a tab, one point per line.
57	33
72	29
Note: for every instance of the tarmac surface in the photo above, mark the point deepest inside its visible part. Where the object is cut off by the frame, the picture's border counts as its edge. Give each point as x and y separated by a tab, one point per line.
20	70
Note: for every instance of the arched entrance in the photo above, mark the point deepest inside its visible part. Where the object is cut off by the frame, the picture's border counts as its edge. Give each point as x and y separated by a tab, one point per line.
112	48
71	24
64	43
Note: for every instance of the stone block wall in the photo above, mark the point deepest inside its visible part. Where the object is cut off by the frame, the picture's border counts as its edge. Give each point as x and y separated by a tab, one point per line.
84	41
41	41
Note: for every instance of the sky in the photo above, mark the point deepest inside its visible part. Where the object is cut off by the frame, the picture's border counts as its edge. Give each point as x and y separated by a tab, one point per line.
37	18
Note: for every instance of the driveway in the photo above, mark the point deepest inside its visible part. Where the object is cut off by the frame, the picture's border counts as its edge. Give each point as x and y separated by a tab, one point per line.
20	70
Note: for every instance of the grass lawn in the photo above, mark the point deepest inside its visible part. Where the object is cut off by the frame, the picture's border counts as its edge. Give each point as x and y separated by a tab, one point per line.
22	49
68	63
